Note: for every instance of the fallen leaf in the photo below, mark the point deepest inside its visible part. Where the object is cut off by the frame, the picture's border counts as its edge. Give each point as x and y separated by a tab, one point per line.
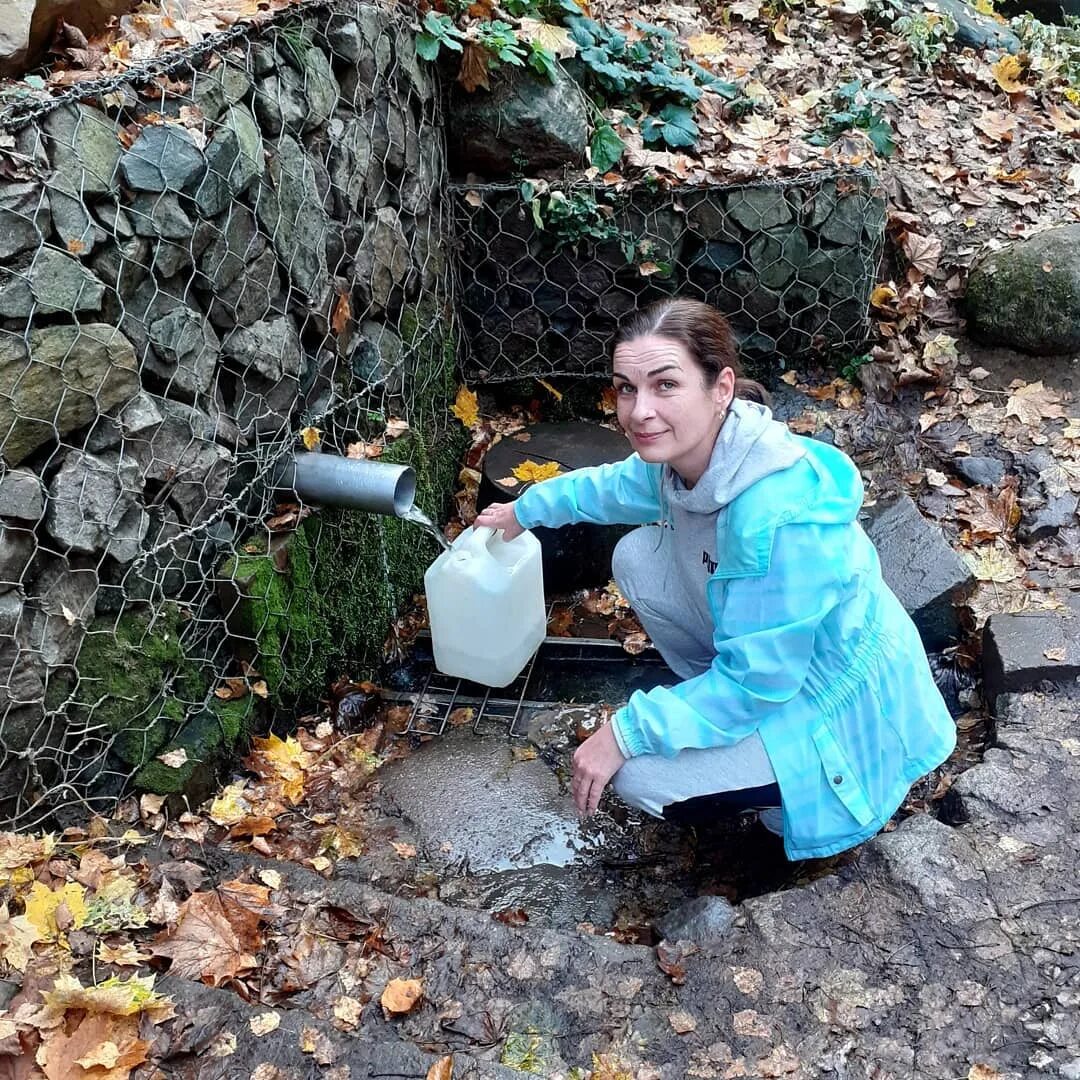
1007	72
361	451
229	806
923	252
234	689
223	1045
347	1010
174	758
556	39
270	878
396	427
983	1072
473	67
994	564
461	716
43	905
212	942
466	408
116	996
405	851
101	1046
706	45
1033	403
1057	654
310	437
531	472
264	1023
400	995
317	1043
508	481
341	316
682	1022
748	1022
512	916
609	399
127	954
443	1069
17	936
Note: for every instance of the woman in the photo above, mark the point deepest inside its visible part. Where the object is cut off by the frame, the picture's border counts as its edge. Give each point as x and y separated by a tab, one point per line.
806	693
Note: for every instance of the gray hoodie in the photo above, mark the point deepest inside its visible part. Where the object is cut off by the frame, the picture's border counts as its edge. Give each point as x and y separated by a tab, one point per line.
751	445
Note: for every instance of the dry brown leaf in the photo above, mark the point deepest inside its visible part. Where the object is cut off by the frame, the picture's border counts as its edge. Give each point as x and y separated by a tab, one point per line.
264	1023
17	937
556	39
364	451
318	1044
339	320
102	1046
310	437
923	252
443	1069
1033	403
212	942
706	45
405	851
1057	654
174	758
401	995
682	1022
473	72
396	427
126	954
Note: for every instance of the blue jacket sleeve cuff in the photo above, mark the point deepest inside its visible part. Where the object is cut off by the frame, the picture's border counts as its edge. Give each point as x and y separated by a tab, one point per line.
627	738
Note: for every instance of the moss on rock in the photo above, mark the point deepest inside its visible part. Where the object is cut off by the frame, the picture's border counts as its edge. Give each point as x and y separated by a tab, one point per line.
134	680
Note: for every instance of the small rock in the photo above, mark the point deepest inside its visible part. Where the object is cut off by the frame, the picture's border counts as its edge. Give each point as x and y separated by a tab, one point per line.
280	104
88	497
776	256
846	223
16	550
76	228
1015	649
163	158
125	541
983	471
321	89
703	920
11	606
1058	513
54	282
114	220
235	241
271	347
974	29
123	266
28	26
377	356
343	36
84	148
382	259
21	495
923	571
188	350
252	295
24	218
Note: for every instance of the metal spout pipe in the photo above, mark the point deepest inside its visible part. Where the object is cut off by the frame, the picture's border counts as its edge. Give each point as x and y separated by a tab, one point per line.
359	484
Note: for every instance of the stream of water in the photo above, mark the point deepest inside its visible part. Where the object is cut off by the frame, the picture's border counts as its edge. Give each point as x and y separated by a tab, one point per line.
418	517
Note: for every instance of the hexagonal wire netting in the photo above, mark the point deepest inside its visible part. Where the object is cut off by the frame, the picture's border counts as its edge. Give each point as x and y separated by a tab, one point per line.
199	258
552	274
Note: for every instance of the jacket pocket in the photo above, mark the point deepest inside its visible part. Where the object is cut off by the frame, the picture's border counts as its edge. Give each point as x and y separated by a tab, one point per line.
841	776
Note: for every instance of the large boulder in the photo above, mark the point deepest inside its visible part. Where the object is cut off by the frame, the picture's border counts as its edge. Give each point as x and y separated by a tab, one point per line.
524	123
27	26
66	376
1027	295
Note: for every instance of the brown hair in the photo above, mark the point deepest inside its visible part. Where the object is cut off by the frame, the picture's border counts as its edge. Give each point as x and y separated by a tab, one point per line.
703	332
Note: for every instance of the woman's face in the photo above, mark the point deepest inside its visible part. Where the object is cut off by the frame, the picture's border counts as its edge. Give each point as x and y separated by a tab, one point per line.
664	406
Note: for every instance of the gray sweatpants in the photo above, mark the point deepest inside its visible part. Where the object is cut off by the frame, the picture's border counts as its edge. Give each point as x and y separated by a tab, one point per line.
678	625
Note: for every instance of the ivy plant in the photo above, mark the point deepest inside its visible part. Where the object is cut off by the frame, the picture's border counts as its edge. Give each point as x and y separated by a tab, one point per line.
856	108
437	32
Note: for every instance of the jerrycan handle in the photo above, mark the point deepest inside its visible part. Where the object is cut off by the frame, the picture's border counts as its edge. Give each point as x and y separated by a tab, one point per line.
481	538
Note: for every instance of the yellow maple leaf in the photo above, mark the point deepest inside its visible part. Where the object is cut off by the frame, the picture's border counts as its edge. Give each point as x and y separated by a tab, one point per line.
120	997
43	903
124	955
556	39
1007	72
530	471
994	564
466	408
706	45
310	437
230	806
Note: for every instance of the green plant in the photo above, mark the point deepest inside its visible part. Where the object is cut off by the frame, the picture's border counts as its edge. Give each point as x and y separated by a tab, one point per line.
499	39
850	370
437	32
927	35
1054	50
570	217
857	108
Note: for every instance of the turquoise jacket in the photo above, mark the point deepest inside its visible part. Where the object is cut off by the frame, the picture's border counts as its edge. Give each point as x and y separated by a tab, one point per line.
813	651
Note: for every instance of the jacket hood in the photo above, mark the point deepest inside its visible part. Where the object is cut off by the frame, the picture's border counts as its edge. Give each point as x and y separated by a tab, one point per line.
751	445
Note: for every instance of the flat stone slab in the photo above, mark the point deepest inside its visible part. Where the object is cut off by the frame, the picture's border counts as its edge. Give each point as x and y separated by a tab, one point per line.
1021	651
494	811
927	576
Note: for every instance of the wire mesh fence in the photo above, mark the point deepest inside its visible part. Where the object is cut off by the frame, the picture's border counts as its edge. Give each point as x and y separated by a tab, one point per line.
553	272
201	258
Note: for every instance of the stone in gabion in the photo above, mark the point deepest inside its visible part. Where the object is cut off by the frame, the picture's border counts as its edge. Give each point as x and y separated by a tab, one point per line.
382	261
377	355
234	241
125	541
250	296
77	230
349	161
263	406
280	104
21	495
321	89
60	604
777	255
53	282
271	347
187	347
845	224
343	37
88	497
525	123
10	609
84	148
16	551
163	158
757	208
291	213
24	218
75	372
161	215
123	266
234	159
226	85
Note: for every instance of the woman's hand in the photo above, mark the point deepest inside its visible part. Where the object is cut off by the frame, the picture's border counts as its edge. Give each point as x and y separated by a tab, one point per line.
500	516
596	761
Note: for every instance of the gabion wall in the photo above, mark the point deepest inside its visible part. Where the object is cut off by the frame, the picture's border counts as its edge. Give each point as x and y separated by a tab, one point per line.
791	263
196	262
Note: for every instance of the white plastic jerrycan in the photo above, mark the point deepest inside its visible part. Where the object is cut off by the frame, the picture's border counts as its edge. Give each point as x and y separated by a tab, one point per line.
485	600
